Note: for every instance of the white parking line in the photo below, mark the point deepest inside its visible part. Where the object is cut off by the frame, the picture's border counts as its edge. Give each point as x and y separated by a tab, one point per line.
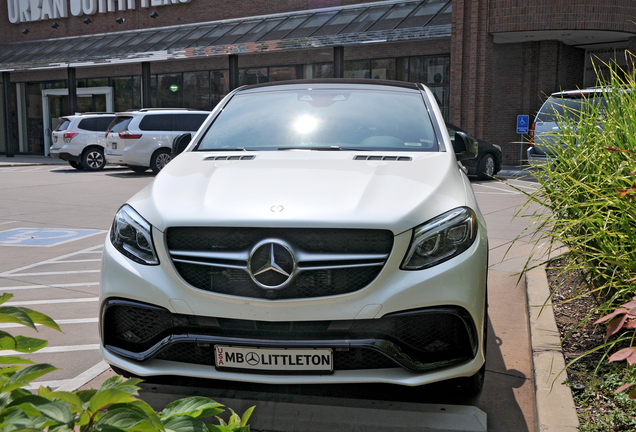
79	261
61	322
74	383
53	301
57	349
53	273
55	260
30	287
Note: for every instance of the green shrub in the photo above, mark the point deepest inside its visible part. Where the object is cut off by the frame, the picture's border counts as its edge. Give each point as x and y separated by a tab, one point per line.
586	202
113	408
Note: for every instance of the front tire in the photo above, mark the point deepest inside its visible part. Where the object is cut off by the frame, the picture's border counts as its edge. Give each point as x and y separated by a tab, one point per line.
486	167
93	159
159	160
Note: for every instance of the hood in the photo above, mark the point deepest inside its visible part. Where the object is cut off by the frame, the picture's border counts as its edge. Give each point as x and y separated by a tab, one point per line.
299	189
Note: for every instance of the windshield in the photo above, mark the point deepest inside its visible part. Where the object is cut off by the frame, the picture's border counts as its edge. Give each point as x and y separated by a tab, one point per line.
323	119
572	107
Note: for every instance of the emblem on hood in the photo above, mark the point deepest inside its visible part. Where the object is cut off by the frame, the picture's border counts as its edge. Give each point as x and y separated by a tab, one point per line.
277	208
271	264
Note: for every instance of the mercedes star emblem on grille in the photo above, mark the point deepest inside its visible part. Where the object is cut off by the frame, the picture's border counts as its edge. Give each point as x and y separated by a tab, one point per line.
271	264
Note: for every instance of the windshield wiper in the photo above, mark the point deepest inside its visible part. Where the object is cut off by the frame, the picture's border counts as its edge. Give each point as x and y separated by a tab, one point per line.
227	149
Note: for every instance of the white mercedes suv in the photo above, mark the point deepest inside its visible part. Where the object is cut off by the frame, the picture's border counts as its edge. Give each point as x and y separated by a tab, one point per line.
311	232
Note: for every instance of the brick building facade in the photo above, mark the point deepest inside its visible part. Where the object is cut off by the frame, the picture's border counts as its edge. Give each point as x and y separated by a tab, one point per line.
487	60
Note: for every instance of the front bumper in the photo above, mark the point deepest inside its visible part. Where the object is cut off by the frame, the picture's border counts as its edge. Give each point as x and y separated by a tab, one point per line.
366	349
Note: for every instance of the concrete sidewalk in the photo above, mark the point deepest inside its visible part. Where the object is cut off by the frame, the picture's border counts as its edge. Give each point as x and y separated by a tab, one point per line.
27	160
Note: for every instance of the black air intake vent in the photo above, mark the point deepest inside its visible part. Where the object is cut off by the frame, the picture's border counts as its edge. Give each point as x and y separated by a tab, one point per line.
231	157
384	158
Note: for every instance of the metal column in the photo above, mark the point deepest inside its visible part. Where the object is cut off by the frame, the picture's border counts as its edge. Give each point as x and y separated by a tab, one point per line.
338	62
146	99
234	71
72	91
8	124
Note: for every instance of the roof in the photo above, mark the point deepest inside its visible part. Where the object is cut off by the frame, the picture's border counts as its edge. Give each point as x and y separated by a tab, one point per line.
377	22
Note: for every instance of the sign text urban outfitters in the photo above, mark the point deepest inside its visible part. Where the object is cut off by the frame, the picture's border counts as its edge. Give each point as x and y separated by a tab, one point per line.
38	10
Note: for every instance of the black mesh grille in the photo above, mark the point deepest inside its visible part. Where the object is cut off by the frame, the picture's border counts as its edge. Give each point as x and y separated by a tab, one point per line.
310	240
427	336
309	283
317	283
203	354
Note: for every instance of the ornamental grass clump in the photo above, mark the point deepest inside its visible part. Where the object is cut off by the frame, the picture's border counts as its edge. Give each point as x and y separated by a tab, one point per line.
586	203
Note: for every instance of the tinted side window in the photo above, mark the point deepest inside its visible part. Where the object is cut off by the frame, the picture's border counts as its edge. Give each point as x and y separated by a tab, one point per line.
120	124
188	122
64	125
156	122
101	123
87	124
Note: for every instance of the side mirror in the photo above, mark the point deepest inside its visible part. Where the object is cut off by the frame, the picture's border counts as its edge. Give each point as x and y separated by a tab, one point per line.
180	143
465	146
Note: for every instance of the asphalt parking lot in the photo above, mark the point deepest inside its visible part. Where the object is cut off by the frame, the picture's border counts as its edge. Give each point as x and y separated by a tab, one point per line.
53	223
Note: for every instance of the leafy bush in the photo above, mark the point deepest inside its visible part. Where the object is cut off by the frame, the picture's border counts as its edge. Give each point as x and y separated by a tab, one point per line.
112	408
586	202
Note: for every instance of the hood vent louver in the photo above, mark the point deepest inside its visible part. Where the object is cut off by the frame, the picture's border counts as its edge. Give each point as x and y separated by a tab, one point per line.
251	157
384	158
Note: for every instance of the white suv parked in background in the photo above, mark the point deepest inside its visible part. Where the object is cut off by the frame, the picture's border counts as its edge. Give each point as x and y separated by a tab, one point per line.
143	139
79	139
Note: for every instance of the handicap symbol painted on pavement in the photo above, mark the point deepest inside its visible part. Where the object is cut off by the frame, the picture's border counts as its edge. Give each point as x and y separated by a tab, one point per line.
43	237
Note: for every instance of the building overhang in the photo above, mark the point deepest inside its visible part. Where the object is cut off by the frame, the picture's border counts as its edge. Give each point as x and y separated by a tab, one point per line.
370	23
586	39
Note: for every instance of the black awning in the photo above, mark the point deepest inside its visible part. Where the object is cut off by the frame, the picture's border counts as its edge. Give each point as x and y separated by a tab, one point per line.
379	22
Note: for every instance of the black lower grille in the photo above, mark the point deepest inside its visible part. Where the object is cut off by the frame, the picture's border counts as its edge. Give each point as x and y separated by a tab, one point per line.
317	283
419	339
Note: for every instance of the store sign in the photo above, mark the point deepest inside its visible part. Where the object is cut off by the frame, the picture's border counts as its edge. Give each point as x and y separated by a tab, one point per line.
38	10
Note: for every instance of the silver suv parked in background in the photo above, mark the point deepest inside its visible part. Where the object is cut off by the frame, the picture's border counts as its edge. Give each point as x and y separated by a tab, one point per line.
570	104
143	139
79	139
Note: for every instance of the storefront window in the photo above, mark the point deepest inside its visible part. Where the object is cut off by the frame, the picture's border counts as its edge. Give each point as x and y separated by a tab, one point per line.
253	76
284	73
384	69
35	132
433	72
196	90
319	70
357	69
97	82
219	81
169	91
123	93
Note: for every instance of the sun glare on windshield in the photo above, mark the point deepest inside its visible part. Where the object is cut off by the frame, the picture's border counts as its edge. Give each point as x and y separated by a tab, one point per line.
305	124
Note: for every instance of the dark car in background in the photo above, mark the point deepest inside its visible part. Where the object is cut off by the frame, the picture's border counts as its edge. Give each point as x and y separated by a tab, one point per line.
488	160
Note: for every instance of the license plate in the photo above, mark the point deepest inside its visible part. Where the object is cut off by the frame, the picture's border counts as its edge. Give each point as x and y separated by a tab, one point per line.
114	146
274	359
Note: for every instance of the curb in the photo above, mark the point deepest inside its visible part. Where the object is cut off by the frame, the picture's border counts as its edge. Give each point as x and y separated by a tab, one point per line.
555	409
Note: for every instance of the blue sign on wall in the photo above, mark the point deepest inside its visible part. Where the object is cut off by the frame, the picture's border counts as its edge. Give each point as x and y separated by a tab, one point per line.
522	124
43	236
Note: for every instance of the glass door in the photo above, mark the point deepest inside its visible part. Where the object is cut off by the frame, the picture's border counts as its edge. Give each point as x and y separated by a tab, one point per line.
55	103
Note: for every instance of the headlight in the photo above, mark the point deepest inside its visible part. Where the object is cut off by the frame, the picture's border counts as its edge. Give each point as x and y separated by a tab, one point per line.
441	239
130	234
